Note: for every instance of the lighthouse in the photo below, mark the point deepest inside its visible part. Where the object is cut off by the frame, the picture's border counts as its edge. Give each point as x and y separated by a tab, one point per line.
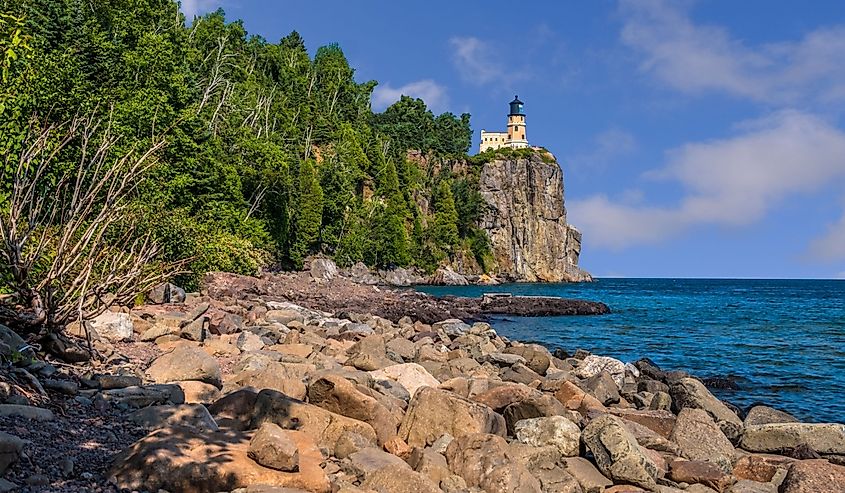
515	137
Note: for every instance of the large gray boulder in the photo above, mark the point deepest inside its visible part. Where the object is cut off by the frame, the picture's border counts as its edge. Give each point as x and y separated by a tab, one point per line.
618	454
483	461
690	392
434	412
699	438
113	326
553	430
824	438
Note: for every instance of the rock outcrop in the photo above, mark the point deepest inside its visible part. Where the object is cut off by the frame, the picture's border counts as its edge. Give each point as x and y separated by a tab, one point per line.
525	220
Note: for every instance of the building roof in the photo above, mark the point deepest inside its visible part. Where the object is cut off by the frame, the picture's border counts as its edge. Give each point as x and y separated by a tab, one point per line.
516	100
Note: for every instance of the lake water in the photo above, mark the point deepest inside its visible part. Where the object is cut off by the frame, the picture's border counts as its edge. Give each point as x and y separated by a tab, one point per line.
783	340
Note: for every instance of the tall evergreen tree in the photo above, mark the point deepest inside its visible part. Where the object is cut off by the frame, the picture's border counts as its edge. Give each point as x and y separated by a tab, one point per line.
309	214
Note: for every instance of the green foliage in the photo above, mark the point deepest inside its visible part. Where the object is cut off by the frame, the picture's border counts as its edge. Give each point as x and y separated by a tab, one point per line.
271	155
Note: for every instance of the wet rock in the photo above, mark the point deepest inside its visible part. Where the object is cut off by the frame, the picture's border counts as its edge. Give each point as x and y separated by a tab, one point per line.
194	416
185	363
700	439
179	459
338	395
617	453
763	415
691	393
273	447
825	438
553	430
113	326
706	473
325	426
814	476
433	412
482	460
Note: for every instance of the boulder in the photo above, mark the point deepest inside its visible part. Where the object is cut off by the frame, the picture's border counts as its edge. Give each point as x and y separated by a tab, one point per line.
824	438
760	468
590	479
814	476
397	478
113	326
323	269
325	426
698	472
109	382
284	377
27	412
433	412
143	396
445	276
166	293
234	410
336	394
189	461
368	460
429	463
483	461
248	341
700	439
660	422
411	376
535	406
199	392
535	356
10	449
194	416
763	415
10	339
593	365
691	393
502	396
748	486
617	453
553	430
574	398
185	363
602	387
273	447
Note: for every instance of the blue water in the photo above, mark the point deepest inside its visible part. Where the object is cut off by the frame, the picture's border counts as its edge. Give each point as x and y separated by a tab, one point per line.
783	339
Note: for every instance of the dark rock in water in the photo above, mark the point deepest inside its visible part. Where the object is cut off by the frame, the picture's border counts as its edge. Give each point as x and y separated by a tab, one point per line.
649	369
727	382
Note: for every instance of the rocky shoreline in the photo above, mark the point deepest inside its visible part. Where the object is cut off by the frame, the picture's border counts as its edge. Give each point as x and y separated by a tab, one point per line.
302	382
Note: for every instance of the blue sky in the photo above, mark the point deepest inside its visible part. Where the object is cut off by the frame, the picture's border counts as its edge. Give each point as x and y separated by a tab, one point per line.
697	138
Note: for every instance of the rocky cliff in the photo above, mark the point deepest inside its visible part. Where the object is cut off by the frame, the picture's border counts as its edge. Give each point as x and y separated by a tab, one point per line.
525	220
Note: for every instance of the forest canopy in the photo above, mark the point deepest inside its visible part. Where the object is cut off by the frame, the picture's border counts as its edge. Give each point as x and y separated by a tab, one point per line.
263	154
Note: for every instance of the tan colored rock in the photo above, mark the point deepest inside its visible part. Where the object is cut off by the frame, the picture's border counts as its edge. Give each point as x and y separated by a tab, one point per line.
482	460
301	350
397	478
573	398
338	395
814	476
501	396
325	426
824	438
590	478
433	412
554	430
397	447
367	461
661	422
234	410
430	463
178	459
760	468
617	453
273	447
284	377
700	439
185	362
412	376
198	392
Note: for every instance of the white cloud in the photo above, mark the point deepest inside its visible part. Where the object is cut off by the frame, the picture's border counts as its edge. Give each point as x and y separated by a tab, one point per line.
432	93
732	182
697	58
831	245
192	8
607	146
475	60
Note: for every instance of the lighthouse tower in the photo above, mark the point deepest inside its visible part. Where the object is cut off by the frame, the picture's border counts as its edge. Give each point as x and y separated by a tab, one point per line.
515	137
516	124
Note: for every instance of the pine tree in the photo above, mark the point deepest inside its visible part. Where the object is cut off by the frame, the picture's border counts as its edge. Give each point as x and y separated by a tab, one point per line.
444	228
309	216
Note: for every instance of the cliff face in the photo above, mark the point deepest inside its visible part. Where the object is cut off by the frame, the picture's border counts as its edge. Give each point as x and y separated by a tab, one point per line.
526	221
